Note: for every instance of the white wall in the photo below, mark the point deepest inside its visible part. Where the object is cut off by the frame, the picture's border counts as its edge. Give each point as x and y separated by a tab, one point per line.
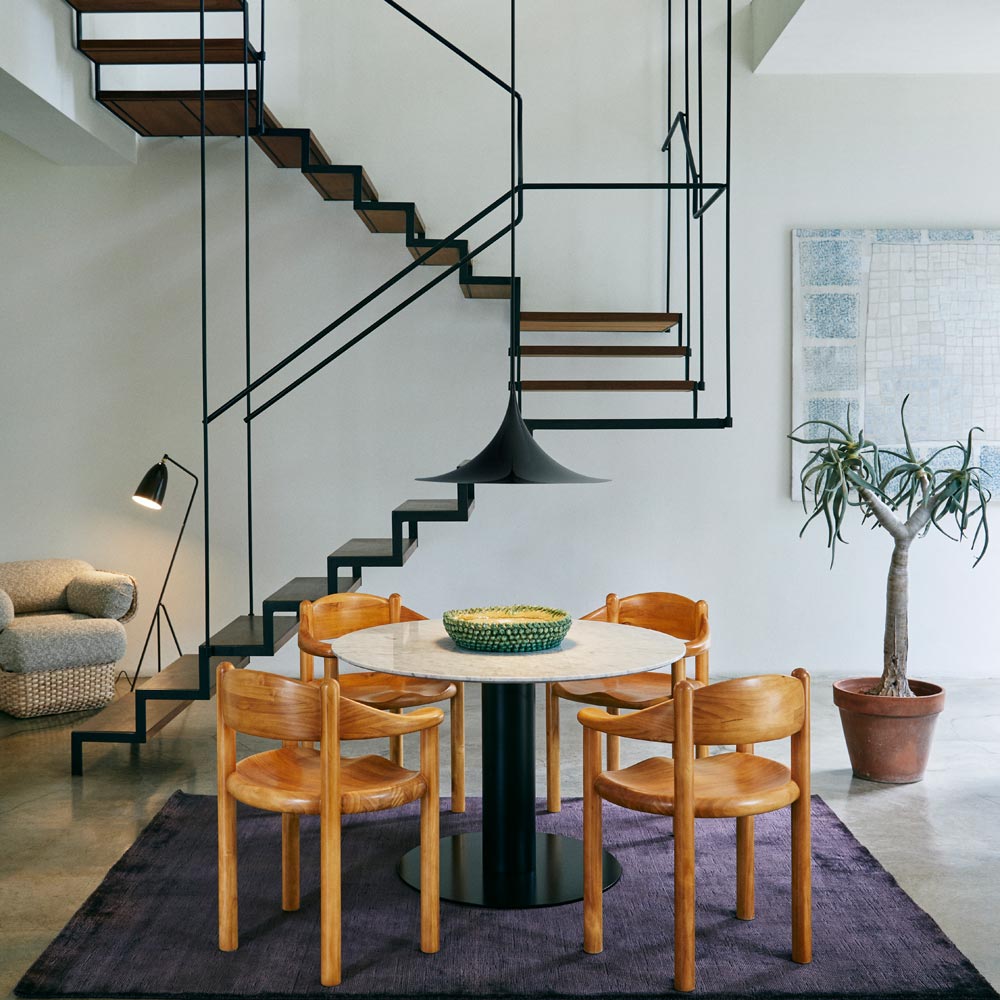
100	335
46	97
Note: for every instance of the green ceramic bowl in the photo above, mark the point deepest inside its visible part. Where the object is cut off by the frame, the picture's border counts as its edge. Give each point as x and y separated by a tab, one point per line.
518	628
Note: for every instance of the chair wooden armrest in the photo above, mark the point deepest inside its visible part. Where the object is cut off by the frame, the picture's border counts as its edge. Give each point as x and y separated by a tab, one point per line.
314	646
655	724
359	722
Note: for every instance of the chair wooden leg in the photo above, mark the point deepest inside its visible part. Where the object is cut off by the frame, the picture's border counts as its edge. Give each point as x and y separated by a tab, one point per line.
430	846
744	868
458	750
801	882
289	861
701	674
329	896
684	889
396	743
552	790
225	744
614	747
802	834
593	900
229	935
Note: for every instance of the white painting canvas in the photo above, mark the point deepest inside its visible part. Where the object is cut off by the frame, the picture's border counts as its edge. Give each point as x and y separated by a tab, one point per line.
882	313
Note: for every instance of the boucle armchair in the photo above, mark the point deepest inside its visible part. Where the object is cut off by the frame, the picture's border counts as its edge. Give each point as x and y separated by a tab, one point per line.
61	635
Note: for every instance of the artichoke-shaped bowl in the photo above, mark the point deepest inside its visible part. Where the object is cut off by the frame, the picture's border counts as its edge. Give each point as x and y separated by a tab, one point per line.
516	628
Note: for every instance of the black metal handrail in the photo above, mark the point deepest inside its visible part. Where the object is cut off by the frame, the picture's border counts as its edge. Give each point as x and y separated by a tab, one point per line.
699	208
409	268
367	300
382	320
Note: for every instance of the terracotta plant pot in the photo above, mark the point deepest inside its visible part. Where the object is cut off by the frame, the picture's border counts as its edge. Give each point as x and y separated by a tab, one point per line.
888	739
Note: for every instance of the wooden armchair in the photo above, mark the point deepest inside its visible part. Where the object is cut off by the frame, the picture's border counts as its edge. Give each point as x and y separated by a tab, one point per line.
338	614
743	712
298	779
673	614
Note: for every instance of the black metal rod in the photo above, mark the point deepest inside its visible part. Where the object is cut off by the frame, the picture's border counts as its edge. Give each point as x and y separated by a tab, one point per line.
204	317
357	307
246	288
173	632
575	186
701	217
670	158
729	156
691	173
379	322
514	316
261	58
451	45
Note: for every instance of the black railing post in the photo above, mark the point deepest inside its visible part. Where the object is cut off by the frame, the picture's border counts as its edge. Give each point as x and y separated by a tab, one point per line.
246	282
204	321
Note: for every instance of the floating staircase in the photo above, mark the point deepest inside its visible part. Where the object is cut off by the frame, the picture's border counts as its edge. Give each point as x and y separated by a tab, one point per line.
614	323
168	113
146	710
177	113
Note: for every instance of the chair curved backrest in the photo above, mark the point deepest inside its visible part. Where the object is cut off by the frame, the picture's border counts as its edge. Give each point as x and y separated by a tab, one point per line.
337	614
281	708
740	711
674	614
269	705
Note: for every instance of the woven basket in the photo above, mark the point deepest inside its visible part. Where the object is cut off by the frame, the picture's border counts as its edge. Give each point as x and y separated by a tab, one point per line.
49	692
518	628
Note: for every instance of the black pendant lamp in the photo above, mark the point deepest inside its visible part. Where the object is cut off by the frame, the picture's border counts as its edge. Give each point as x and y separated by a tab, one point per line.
513	456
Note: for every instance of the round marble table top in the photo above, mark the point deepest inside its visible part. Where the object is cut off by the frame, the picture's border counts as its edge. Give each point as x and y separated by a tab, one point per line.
590	650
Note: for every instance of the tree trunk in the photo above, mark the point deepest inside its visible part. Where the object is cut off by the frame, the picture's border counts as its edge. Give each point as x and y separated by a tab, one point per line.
896	643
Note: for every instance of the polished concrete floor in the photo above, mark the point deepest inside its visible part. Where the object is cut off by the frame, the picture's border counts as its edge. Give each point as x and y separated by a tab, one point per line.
940	838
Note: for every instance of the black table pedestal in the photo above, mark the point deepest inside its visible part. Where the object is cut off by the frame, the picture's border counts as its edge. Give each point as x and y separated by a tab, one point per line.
509	865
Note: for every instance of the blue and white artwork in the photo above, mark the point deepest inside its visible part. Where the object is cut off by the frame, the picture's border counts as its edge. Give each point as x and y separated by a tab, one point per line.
882	313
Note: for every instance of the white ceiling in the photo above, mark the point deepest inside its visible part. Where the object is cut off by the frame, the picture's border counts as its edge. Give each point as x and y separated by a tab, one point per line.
876	36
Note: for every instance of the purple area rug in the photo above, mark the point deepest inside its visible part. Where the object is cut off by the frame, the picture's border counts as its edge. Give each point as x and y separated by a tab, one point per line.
149	930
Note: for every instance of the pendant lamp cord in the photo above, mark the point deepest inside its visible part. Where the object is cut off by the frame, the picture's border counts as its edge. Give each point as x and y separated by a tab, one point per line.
513	197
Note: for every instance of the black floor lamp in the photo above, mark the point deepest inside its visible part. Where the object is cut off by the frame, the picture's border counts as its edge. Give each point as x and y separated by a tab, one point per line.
150	493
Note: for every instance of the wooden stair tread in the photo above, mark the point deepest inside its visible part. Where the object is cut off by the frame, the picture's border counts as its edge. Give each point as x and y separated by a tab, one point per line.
427	507
601	351
167	51
119	716
337	183
488	287
178	112
152	6
347	584
589	385
363	551
448	254
604	322
181	675
391	217
293	593
245	635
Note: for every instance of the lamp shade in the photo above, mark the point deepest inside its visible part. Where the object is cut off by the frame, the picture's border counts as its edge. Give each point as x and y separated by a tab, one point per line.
513	456
151	491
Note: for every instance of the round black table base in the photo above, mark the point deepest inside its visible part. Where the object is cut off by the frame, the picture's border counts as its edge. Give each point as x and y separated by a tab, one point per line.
558	876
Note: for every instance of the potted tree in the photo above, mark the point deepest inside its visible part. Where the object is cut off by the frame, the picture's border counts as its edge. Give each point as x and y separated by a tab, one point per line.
888	721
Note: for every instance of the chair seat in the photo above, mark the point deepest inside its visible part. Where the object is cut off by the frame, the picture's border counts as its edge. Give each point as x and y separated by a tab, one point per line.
288	780
631	691
730	784
390	691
